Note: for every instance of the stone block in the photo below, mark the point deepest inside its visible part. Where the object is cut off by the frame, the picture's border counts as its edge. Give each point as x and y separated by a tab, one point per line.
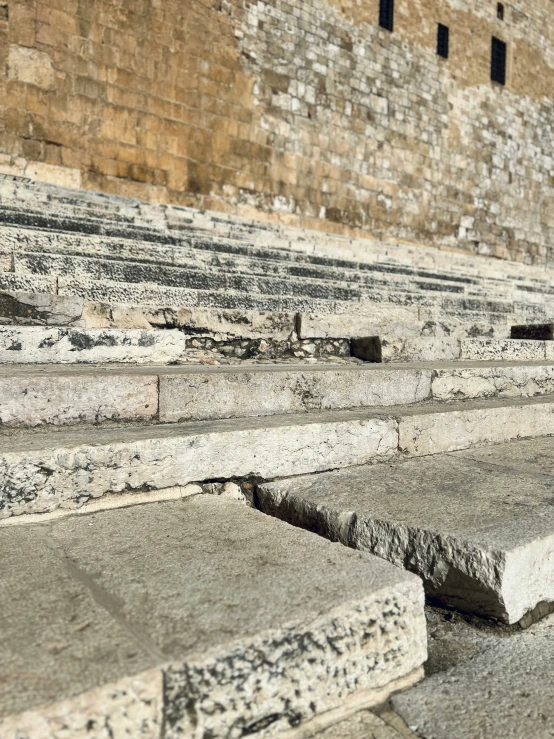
259	391
487	350
42	472
481	536
40	308
448	427
213	616
28	399
66	345
31	66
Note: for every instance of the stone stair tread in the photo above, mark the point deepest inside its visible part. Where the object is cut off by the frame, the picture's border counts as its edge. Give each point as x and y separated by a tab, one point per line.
167	605
20	439
480	534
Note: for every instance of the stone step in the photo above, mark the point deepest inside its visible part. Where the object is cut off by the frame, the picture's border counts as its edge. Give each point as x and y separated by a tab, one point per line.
480	534
203	615
44	470
39	345
77	394
390	348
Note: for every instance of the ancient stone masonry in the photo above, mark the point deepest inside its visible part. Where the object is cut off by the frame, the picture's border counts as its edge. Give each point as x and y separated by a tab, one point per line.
304	112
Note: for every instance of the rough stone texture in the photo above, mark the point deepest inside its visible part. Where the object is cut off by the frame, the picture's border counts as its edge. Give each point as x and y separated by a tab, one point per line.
419	350
490	349
244	324
323	621
131	707
41	472
392	320
480	536
40	309
354	128
501	381
505	690
40	345
31	67
444	428
33	400
252	392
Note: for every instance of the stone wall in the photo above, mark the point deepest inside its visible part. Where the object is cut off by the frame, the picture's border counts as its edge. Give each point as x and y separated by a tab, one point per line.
299	110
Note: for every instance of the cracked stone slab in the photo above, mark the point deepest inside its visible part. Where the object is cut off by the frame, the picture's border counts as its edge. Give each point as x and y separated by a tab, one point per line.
480	536
63	345
250	392
40	472
506	690
405	349
221	619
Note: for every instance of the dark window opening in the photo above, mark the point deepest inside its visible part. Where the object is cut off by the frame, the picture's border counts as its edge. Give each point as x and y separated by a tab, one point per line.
386	14
500	11
442	40
498	61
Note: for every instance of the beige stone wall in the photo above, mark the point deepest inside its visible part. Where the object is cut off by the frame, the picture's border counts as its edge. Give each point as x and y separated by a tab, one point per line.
299	110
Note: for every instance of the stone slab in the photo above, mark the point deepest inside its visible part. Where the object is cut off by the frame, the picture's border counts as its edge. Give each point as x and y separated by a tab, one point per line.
40	309
35	400
251	392
480	536
394	320
500	381
231	623
445	427
63	345
40	472
402	349
507	349
506	690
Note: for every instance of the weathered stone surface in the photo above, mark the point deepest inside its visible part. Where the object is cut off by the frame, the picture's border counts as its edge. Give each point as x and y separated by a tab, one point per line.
419	350
505	690
500	381
40	308
323	622
62	399
480	536
392	319
508	349
233	392
41	472
41	345
445	428
247	324
31	66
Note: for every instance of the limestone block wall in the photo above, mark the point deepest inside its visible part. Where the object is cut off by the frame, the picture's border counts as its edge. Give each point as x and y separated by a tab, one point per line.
303	111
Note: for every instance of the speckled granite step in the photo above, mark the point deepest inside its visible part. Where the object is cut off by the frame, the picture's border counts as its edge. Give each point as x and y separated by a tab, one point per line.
480	534
202	615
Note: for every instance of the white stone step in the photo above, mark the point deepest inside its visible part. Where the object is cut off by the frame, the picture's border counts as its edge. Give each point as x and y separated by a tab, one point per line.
391	348
481	535
77	394
45	470
38	345
505	690
203	616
